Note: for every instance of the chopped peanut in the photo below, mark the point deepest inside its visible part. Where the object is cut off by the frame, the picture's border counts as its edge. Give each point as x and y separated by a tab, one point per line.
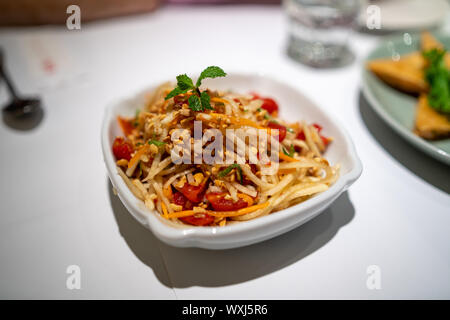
181	182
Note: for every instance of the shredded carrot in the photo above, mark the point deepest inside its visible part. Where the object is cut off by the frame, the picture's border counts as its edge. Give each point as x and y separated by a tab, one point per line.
168	192
286	171
287	158
216	99
143	150
246	198
220	214
125	125
180	214
164	209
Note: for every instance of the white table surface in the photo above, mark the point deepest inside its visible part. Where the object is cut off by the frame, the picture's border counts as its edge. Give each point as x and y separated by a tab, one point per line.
57	208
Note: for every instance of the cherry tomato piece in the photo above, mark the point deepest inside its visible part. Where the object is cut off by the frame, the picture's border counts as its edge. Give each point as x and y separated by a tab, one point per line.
325	140
318	127
281	130
269	104
203	220
181	200
219	203
122	149
193	193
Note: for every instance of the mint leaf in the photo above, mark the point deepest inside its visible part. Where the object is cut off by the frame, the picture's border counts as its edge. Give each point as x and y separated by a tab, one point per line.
175	92
184	82
210	72
194	103
204	97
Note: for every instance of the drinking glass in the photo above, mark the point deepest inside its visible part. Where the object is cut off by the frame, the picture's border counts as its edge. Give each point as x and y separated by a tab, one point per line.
319	30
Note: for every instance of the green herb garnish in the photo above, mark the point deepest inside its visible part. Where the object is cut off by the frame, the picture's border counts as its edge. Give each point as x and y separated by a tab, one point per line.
226	171
438	77
199	100
291	151
156	143
136	122
210	72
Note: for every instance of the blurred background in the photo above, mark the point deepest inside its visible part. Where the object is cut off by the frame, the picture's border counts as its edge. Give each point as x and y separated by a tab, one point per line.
61	43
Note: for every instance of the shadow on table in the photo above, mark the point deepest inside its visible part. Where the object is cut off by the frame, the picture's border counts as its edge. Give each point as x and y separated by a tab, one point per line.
422	165
210	268
139	239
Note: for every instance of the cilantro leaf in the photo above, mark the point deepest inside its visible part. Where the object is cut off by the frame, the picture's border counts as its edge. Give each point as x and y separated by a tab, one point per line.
438	77
194	103
184	82
228	169
204	97
156	143
291	151
239	174
210	72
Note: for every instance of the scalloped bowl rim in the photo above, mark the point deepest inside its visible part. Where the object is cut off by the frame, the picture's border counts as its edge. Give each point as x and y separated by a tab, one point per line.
240	234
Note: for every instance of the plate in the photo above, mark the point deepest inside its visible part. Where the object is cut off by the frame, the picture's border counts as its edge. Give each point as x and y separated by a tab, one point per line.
294	106
397	109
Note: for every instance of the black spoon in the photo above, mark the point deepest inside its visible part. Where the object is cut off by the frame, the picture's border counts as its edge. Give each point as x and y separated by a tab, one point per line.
18	107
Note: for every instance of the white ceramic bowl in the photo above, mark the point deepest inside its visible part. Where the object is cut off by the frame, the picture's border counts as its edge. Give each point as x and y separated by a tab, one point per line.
293	106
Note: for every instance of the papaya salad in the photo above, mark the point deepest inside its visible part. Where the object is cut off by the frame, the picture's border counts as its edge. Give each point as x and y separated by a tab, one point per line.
219	193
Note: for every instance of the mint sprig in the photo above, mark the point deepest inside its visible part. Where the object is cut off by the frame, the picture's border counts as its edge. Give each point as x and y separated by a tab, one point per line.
199	100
